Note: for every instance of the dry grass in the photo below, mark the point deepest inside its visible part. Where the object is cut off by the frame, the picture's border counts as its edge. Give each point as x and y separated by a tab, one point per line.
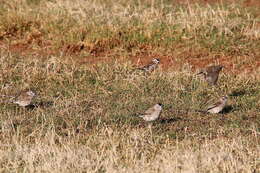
85	119
114	150
90	125
127	25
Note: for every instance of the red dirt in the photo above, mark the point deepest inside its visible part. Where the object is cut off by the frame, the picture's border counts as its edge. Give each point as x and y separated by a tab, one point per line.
252	3
101	51
196	59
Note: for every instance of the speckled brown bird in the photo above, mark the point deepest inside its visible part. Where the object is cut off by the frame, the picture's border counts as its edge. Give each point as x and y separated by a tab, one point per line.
24	98
218	106
152	113
152	66
211	73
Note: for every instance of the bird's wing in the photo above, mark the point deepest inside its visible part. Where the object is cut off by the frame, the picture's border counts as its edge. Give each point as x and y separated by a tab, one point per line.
150	111
214	105
148	66
210	69
145	68
20	96
213	73
214	69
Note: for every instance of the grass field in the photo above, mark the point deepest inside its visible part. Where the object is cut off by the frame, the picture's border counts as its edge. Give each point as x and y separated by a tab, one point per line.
81	58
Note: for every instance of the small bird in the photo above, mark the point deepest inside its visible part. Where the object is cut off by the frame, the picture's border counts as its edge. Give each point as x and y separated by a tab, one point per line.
24	98
152	66
211	73
152	113
218	106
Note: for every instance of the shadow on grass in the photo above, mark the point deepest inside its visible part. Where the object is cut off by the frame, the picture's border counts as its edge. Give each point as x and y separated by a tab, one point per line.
237	93
39	104
227	109
242	92
169	120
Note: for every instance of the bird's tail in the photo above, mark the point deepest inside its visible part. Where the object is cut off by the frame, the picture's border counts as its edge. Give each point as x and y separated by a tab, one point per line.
201	72
4	99
140	68
137	115
140	116
137	70
200	111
